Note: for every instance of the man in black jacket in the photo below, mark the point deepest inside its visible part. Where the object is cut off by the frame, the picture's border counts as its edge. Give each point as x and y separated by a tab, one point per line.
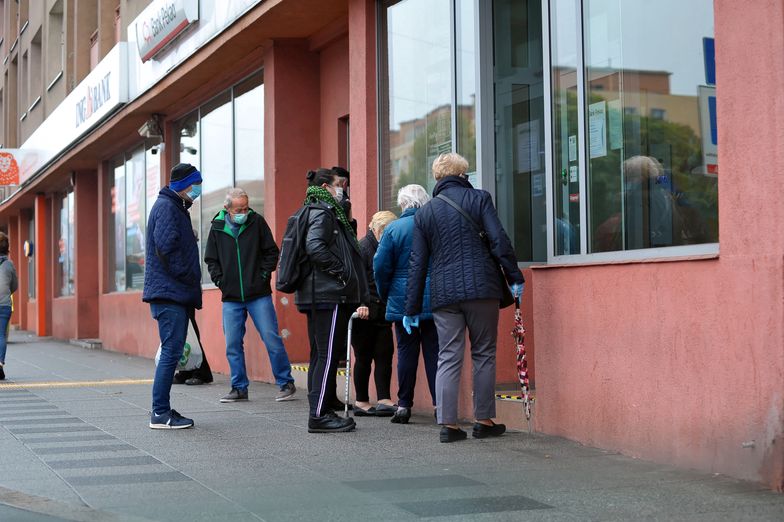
241	256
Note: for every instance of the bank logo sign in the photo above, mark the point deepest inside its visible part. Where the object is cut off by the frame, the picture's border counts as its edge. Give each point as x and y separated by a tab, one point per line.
97	95
161	22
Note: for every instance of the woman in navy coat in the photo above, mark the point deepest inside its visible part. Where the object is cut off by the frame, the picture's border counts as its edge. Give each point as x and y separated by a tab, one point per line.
465	289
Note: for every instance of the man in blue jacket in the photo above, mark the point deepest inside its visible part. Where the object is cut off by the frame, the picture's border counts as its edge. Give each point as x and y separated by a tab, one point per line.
172	283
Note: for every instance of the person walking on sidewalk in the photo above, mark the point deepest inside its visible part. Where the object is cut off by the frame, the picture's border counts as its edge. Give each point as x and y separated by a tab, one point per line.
172	283
8	285
241	256
334	286
465	290
372	338
391	274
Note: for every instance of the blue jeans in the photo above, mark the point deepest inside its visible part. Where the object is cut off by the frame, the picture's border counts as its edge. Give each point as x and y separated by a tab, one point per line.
172	329
262	312
5	316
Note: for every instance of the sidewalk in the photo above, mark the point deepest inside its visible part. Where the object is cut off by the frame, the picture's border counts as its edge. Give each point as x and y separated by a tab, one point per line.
74	449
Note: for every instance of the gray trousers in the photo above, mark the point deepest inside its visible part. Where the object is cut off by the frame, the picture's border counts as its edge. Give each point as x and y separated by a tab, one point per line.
481	318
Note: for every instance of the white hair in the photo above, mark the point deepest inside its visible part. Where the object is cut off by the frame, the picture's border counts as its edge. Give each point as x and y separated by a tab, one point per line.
235	193
412	196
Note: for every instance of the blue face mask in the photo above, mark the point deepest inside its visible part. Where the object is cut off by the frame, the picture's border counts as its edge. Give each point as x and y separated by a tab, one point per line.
194	192
239	219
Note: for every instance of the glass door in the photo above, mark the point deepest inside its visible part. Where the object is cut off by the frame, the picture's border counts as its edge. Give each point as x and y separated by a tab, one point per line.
520	164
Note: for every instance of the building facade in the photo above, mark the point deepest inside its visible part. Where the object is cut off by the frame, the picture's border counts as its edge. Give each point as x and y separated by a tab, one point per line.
654	305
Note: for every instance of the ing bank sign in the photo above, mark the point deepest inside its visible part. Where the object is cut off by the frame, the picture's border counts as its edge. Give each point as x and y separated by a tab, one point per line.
161	22
95	98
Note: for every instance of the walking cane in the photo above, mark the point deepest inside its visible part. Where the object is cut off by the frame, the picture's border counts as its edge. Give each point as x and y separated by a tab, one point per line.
348	360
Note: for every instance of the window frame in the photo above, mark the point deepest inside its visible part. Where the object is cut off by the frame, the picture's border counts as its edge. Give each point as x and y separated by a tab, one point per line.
671	253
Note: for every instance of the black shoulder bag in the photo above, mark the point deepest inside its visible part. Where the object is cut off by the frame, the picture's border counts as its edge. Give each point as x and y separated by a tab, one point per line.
507	299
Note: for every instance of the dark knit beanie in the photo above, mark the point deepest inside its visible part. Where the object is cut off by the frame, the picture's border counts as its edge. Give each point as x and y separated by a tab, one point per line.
183	175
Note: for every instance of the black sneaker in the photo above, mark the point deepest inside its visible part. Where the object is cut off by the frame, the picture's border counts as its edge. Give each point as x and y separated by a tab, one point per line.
452	434
170	420
401	416
482	431
286	392
2	374
178	378
330	424
236	395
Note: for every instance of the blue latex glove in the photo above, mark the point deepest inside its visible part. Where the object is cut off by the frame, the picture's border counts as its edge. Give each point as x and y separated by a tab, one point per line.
517	289
410	322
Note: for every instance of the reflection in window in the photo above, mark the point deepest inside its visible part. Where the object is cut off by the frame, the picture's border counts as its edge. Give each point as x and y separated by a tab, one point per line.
216	163
566	146
224	139
133	186
249	139
136	198
519	116
65	245
116	228
416	100
651	166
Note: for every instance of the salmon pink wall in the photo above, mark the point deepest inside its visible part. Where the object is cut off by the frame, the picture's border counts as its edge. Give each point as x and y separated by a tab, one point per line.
292	147
682	362
334	97
126	324
64	317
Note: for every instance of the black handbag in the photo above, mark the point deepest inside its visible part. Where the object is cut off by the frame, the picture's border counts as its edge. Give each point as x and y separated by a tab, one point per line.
507	298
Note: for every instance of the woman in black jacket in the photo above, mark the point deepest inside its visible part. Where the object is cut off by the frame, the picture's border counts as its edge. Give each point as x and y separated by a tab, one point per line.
372	339
333	289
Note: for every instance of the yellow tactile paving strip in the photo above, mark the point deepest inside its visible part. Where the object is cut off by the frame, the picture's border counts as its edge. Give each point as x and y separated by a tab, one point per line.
70	384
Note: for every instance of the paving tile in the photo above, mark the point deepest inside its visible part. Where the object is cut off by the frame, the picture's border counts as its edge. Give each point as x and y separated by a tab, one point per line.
63	450
472	506
102	462
129	478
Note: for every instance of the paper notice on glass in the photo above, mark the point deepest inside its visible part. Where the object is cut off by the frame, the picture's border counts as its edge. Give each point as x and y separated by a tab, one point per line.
537	185
573	174
597	129
572	148
616	124
528	146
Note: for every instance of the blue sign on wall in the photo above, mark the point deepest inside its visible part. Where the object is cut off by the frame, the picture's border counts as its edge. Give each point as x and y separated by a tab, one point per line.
712	116
709	54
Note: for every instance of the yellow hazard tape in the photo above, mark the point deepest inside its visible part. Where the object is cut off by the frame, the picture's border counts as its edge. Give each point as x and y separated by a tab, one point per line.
304	368
70	384
512	397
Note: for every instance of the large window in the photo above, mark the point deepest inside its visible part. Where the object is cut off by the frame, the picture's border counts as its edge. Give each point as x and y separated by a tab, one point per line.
596	137
133	184
417	98
65	245
224	139
633	125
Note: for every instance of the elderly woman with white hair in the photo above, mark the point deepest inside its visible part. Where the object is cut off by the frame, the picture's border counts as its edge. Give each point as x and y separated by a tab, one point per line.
465	289
390	267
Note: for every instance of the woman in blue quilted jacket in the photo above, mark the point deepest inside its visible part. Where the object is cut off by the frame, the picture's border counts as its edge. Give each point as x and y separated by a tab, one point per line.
390	269
466	289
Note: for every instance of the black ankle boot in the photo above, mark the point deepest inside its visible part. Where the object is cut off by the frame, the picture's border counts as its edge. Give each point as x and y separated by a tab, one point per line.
401	416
